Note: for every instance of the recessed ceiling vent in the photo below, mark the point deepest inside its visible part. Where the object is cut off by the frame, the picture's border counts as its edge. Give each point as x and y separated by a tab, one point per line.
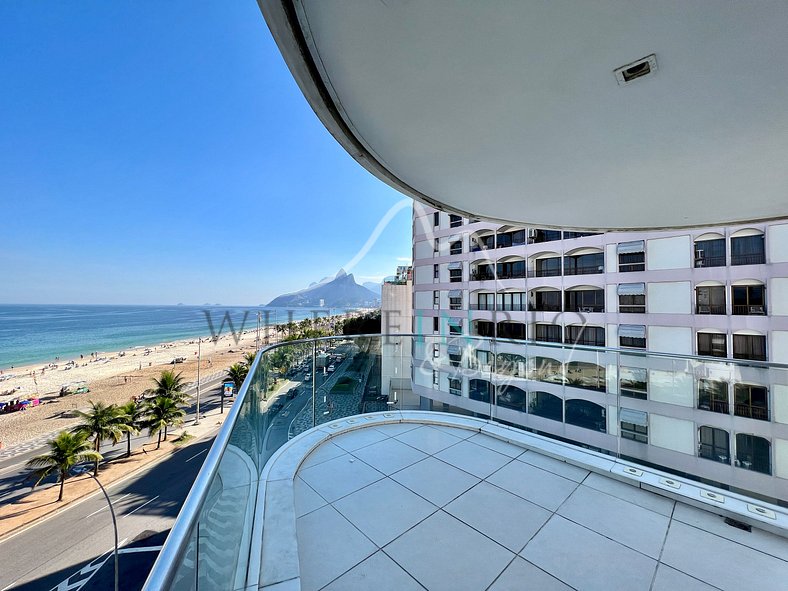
646	66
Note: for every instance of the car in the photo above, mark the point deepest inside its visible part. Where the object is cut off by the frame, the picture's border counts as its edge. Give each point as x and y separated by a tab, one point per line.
331	369
79	469
308	377
178	360
292	393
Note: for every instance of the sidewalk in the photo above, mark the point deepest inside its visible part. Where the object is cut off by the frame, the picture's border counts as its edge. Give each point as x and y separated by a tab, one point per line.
43	503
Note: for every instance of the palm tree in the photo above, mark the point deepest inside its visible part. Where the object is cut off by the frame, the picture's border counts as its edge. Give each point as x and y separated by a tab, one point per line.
65	450
249	358
162	412
131	418
171	385
237	373
100	423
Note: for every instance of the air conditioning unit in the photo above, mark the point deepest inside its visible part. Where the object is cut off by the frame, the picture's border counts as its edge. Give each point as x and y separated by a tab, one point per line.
532	232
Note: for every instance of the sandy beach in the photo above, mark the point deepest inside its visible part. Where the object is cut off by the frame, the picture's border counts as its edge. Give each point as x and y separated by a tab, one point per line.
113	377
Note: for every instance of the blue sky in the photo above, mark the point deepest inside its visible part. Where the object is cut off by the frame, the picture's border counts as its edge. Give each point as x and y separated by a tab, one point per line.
160	152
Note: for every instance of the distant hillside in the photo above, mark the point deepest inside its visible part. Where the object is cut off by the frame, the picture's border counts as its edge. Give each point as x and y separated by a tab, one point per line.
375	288
340	292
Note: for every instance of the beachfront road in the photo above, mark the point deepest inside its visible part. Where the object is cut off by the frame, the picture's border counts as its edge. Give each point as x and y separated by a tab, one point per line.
14	476
58	548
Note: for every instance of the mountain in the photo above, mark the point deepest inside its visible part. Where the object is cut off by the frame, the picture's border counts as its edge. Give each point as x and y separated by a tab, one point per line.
373	287
340	292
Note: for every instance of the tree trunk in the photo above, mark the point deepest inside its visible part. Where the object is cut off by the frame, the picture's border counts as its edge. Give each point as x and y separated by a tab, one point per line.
128	444
158	445
62	483
95	467
165	432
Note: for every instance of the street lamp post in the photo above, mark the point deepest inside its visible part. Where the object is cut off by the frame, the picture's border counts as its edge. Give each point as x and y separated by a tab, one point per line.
114	523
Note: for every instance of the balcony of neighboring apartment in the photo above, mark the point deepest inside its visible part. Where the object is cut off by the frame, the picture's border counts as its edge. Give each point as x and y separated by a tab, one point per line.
544	299
482	240
512	300
540	235
509	236
712	343
710	298
547	333
584	299
544	264
748	247
749	298
750	345
584	334
710	250
511	267
482	300
510	329
584	261
483	270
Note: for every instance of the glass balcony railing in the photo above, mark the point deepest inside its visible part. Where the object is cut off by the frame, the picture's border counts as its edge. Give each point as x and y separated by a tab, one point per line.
595	397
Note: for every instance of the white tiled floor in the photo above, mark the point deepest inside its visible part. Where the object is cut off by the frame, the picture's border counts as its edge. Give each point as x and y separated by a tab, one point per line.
404	507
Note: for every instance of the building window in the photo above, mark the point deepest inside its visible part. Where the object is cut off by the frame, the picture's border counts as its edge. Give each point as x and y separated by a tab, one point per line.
436	219
749	300
753	453
748	250
513	301
631	256
455	275
712	344
749	346
455	356
484	272
710	299
713	396
485	329
455	326
546	301
436	378
537	235
714	445
436	248
633	382
584	300
634	425
436	300
584	264
479	390
484	301
632	298
455	247
710	253
436	272
510	364
585	414
436	351
751	401
483	360
455	221
548	333
455	300
571	235
512	397
486	242
436	324
455	386
511	330
513	238
511	270
547	267
632	335
591	336
544	404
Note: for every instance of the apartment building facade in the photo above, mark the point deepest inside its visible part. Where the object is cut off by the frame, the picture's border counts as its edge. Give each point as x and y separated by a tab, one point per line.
551	298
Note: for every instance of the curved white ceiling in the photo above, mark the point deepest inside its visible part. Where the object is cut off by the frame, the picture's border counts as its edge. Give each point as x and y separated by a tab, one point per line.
512	111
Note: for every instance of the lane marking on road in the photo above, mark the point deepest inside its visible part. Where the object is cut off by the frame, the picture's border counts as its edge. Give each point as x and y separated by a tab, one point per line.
195	455
141	506
118	500
144	549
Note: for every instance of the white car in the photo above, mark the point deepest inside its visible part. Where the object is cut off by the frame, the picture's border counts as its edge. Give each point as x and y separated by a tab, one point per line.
331	368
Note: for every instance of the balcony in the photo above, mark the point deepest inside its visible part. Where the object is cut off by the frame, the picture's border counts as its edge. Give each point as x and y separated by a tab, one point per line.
482	275
748	310
338	489
710	309
755	258
548	272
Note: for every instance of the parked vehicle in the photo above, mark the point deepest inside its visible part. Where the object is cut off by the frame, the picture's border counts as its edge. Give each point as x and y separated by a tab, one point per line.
178	360
331	369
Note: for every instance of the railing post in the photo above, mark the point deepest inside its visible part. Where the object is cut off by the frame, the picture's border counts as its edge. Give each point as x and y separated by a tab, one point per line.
314	381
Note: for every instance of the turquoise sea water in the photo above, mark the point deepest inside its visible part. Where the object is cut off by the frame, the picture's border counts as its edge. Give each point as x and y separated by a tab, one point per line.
32	334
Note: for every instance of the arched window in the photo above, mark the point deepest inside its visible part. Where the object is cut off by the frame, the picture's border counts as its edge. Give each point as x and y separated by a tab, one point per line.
586	414
512	397
544	404
714	444
510	364
753	453
479	390
581	374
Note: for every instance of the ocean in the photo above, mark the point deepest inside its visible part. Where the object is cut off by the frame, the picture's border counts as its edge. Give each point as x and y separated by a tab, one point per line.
39	333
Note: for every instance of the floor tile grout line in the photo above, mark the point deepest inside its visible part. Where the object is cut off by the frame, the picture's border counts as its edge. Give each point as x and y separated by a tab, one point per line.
711	533
406	571
637	488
